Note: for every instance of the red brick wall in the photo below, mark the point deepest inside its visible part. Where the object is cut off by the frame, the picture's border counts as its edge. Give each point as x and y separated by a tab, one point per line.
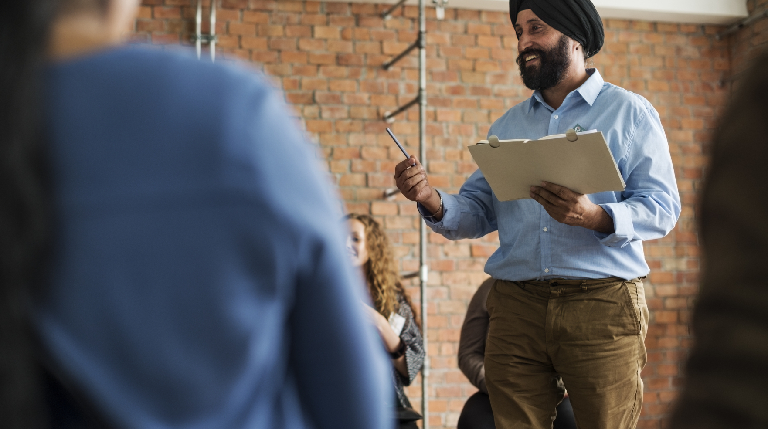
327	57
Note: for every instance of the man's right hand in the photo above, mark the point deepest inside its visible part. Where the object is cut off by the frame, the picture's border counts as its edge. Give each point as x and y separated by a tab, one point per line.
411	180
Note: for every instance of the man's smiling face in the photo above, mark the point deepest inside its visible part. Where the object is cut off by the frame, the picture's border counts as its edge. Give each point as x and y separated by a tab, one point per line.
544	52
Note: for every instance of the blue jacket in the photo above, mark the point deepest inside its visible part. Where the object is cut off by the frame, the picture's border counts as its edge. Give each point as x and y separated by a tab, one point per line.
199	277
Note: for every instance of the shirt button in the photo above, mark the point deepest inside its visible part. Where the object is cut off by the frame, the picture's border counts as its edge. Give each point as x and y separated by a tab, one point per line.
546	270
545	229
555	116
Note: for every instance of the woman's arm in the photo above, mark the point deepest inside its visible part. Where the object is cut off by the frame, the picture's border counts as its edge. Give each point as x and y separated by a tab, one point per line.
393	342
390	338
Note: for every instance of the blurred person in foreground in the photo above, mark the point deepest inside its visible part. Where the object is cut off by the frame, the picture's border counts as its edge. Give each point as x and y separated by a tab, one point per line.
159	267
569	299
392	313
724	378
477	412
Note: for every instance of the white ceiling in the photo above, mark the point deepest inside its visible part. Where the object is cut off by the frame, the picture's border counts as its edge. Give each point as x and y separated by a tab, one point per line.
679	11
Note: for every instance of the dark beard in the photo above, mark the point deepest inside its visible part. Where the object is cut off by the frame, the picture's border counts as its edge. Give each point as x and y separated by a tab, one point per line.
552	66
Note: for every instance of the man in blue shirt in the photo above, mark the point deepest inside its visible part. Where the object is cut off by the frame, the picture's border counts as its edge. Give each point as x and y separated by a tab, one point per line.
568	301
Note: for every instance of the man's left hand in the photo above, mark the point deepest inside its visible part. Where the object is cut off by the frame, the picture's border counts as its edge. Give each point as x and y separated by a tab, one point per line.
572	208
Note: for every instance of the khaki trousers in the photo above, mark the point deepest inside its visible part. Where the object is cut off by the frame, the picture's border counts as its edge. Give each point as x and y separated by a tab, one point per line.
589	333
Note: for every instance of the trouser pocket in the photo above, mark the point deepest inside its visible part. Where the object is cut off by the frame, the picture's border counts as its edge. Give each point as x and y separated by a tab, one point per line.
636	305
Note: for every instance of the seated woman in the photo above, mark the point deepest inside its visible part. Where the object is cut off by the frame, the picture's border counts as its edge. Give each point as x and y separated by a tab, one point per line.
477	413
393	313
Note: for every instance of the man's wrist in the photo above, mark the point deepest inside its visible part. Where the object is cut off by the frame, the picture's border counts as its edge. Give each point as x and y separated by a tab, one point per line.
602	221
436	214
439	211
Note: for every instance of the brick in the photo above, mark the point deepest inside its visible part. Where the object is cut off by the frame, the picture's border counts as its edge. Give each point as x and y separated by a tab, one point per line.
299	98
334	71
243	29
341	21
477	53
271	30
294	57
258	43
356	99
302	31
340	46
352	180
319	126
281	44
323	32
346	153
300	70
149	26
165	39
362	112
338	166
348	126
350	59
255	17
234	4
264	57
334	112
665	316
314	84
311	44
322	58
144	12
159	12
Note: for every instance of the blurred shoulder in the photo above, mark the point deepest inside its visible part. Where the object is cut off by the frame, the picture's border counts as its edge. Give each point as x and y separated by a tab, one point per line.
179	68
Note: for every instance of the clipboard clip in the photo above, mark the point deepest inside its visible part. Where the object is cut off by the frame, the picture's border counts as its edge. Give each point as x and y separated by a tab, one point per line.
570	135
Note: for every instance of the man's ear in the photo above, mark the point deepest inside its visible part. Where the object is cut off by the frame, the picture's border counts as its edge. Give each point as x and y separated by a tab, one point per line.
578	49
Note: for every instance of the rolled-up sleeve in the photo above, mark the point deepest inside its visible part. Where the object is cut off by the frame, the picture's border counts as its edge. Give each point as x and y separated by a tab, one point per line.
470	214
650	204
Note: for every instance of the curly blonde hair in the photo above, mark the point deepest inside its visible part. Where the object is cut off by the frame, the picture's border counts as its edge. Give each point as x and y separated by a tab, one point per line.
380	270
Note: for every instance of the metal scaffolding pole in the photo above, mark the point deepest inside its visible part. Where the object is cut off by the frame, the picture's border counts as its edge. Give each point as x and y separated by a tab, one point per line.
423	269
421	100
199	38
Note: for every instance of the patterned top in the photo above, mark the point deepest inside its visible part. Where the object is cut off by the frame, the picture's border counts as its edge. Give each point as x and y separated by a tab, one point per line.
414	352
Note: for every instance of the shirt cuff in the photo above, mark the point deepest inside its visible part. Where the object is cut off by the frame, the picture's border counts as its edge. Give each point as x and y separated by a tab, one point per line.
450	219
623	230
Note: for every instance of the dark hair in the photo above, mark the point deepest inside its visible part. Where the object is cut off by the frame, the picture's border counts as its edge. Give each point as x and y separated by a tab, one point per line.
24	204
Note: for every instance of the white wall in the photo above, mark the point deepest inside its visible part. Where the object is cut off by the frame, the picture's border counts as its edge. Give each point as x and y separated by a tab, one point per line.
679	11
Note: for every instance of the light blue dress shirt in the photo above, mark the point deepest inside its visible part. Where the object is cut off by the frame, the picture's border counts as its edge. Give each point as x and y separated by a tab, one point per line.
535	246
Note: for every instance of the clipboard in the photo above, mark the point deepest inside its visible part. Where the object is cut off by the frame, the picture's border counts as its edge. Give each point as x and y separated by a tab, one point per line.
579	161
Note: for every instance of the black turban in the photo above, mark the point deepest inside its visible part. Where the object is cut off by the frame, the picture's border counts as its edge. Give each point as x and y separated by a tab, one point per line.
577	19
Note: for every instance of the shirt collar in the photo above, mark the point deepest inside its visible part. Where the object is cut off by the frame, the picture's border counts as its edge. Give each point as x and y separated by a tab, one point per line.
589	90
592	87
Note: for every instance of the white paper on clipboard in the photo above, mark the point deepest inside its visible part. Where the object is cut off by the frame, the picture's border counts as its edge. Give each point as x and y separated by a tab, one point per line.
584	165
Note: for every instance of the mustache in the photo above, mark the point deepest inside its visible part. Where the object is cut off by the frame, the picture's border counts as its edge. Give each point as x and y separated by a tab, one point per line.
539	53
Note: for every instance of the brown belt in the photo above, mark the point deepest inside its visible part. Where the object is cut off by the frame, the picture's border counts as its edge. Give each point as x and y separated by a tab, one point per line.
568	286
